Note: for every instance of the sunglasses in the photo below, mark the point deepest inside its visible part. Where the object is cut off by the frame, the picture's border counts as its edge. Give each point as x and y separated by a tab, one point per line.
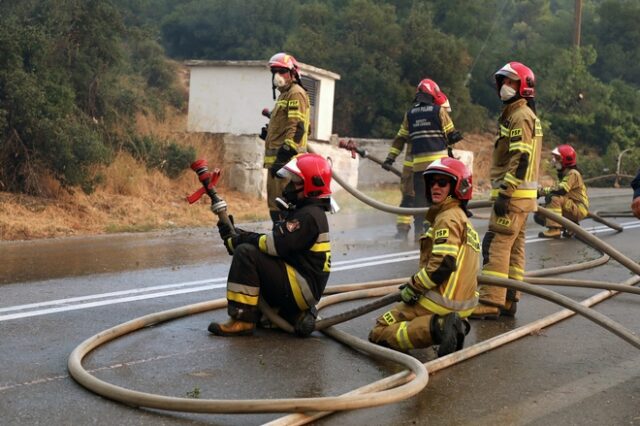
441	182
279	70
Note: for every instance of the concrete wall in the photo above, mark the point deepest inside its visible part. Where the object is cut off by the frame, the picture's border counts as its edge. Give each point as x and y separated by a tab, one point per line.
228	99
371	174
242	158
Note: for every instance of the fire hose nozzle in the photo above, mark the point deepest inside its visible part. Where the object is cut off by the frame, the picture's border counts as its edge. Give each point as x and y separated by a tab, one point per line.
209	179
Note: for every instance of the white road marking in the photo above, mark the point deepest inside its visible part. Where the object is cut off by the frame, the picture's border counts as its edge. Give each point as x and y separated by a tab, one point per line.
71	304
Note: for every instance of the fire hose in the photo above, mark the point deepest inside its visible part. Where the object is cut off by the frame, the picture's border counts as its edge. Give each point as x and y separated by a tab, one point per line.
410	383
351	146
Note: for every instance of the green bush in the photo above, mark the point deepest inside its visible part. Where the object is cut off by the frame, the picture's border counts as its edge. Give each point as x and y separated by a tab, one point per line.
167	156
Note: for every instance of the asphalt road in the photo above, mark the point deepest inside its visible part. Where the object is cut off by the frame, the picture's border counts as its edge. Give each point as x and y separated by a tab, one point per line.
57	293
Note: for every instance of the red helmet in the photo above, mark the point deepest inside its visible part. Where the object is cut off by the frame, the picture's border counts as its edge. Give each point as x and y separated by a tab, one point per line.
567	155
284	60
518	71
313	170
430	87
463	187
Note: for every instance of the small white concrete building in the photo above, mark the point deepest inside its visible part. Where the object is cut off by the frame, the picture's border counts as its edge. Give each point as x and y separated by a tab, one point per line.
228	97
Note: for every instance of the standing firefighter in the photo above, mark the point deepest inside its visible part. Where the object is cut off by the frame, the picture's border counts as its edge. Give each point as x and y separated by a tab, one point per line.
430	130
514	175
288	267
444	289
286	133
568	198
402	140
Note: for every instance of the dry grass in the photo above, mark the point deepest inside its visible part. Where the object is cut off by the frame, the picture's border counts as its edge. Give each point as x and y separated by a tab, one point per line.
134	199
131	199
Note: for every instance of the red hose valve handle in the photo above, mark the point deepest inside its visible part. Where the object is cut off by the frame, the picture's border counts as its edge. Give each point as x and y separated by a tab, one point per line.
349	146
207	178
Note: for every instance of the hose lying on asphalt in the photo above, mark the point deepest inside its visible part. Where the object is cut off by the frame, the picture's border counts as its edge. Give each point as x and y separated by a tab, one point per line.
408	384
419	380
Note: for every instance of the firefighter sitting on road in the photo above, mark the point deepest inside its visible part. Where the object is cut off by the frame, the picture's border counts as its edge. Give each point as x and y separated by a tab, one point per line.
568	198
288	128
443	291
428	130
403	222
288	267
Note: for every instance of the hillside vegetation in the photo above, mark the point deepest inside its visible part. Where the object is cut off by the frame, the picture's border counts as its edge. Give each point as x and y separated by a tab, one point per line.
93	99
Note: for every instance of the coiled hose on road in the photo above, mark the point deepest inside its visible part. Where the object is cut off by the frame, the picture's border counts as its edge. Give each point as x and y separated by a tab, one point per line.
391	389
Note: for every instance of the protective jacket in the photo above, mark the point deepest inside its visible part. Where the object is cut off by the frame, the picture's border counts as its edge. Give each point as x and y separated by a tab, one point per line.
572	186
402	141
289	123
449	254
516	157
302	242
427	126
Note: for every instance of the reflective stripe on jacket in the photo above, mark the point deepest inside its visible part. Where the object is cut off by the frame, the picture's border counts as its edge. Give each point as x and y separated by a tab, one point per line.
302	241
428	126
289	123
516	154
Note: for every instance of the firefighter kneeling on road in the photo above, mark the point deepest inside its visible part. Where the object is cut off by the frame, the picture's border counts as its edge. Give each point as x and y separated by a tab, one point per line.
444	290
288	267
568	198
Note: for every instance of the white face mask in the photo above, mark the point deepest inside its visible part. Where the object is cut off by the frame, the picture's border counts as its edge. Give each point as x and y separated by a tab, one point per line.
507	92
557	164
279	81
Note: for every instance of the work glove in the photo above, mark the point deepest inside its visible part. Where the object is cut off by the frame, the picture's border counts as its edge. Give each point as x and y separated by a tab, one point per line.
224	229
501	205
263	132
408	294
541	192
388	163
454	137
285	153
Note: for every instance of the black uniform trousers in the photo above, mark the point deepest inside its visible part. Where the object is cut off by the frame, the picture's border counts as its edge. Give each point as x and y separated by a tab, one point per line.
255	274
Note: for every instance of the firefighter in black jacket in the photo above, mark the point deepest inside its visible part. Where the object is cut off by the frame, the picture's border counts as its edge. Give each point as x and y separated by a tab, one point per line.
288	267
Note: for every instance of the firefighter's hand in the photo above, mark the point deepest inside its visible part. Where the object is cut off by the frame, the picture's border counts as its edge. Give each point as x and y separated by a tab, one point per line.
501	205
263	132
541	192
408	294
388	163
285	153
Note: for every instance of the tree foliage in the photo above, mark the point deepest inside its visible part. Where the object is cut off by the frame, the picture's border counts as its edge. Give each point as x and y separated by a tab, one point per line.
72	78
74	73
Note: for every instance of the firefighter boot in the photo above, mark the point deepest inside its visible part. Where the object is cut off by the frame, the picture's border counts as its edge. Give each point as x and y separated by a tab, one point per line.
511	304
305	323
551	233
402	230
448	332
232	328
483	312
